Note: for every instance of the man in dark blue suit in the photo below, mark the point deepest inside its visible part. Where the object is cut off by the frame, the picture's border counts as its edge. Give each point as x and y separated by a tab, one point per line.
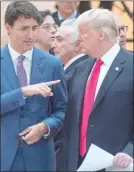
32	106
65	10
100	100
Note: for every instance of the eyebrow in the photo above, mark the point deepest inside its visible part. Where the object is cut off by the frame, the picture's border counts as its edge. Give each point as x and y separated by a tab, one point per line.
29	26
49	23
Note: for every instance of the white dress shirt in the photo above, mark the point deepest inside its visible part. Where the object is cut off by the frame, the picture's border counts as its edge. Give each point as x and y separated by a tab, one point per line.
108	59
72	60
27	61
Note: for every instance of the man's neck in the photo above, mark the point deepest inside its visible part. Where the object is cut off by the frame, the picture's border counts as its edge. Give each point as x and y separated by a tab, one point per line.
67	59
44	48
65	15
15	48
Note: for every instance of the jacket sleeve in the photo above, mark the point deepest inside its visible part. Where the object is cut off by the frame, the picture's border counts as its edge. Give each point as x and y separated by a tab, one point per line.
58	102
11	100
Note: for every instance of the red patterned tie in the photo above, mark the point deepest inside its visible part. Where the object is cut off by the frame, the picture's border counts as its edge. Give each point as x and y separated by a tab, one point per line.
88	104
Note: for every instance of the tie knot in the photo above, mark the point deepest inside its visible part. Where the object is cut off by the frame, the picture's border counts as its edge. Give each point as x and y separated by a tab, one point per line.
99	62
21	59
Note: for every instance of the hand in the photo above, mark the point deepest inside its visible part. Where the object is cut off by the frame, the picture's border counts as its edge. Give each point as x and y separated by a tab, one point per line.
33	134
122	160
42	89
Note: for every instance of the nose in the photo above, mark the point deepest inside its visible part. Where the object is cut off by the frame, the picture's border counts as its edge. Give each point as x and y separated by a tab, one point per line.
30	34
53	30
122	33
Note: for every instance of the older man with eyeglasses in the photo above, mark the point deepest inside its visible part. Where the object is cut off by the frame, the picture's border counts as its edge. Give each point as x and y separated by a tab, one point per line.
123	29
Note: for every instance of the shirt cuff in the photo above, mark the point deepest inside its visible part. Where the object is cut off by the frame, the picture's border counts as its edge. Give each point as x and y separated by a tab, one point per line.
47	134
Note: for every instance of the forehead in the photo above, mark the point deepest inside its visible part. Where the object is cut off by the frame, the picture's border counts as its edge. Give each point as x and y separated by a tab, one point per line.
84	27
64	31
25	21
48	19
71	3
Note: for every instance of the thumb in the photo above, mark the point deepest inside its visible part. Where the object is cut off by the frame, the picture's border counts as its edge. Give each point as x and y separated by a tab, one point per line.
27	130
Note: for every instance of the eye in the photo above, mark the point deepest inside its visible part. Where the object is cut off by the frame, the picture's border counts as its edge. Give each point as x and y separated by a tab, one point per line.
35	28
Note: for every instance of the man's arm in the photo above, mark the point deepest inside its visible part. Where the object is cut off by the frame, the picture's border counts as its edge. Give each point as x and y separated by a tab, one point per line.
58	103
11	100
16	98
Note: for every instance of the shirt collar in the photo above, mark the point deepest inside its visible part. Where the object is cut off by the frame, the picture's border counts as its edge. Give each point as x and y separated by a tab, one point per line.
73	16
15	54
72	60
110	55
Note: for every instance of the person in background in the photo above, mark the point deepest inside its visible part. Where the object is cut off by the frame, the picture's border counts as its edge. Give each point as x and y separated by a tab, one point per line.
66	45
46	31
100	95
65	10
32	106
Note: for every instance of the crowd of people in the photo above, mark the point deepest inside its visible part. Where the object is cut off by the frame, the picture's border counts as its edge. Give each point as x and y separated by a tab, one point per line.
66	82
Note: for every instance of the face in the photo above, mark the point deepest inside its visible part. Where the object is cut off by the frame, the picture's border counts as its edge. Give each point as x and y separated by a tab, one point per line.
88	39
67	7
123	34
23	34
62	45
47	31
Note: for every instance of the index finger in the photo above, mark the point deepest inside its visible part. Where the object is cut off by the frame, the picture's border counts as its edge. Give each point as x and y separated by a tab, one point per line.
52	82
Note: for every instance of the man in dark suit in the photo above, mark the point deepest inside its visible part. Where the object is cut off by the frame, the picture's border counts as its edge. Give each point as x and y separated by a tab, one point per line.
32	113
67	47
100	102
65	10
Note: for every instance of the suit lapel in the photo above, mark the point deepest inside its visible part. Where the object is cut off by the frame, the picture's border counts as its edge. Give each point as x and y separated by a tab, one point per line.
114	71
56	18
8	68
82	58
37	67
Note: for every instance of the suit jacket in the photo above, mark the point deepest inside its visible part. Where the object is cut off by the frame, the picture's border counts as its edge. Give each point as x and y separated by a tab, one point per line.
110	125
56	18
68	73
18	113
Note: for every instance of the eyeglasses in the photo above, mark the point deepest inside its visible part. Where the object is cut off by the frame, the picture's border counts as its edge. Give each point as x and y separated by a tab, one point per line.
48	27
123	28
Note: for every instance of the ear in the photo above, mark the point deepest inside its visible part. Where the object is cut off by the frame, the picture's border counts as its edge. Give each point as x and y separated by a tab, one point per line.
101	35
8	28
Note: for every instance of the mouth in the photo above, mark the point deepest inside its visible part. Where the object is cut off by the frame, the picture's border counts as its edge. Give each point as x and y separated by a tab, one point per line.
122	42
52	37
29	42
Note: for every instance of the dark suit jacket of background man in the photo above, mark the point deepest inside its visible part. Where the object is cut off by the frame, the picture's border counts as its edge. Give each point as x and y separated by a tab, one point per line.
56	18
110	125
68	73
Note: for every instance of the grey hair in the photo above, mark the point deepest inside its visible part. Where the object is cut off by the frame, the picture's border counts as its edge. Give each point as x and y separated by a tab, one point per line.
71	23
101	19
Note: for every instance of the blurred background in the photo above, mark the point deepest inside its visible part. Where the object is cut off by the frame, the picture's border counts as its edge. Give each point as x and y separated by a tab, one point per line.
124	9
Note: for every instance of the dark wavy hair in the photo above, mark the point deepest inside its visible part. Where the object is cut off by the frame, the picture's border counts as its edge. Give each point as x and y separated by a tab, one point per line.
18	9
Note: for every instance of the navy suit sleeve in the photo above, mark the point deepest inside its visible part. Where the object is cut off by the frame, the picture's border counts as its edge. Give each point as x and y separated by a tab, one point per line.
11	100
58	102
